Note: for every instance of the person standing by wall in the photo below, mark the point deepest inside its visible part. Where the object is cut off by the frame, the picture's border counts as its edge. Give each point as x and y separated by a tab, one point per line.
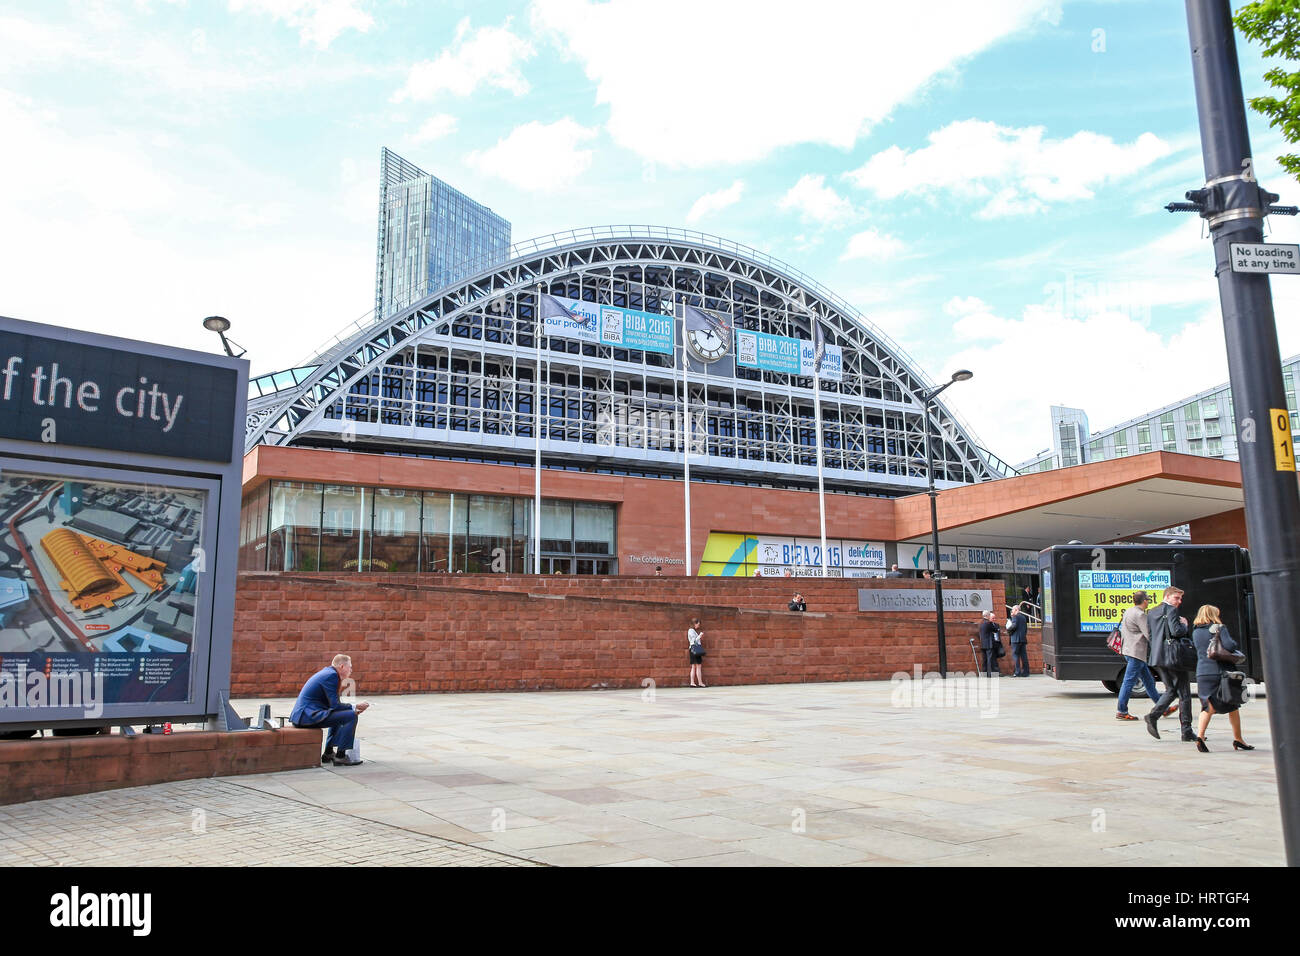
989	643
1135	633
1018	635
695	651
797	603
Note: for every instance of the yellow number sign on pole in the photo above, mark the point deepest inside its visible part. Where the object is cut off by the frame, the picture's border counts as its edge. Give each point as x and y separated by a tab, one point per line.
1283	446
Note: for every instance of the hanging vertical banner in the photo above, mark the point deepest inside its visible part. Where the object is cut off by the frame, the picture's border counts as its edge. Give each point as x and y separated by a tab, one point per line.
610	325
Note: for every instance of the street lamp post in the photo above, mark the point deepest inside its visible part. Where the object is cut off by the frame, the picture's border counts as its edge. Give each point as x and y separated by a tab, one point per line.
219	324
927	400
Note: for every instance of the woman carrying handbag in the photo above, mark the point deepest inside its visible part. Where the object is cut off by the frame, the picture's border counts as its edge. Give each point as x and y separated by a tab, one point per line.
695	652
1216	655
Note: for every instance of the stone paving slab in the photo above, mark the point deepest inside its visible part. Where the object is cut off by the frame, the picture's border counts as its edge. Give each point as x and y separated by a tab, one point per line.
775	775
217	822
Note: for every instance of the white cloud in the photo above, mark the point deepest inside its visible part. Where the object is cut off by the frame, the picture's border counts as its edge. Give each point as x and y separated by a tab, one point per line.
1009	171
184	232
1109	364
870	244
814	200
435	127
653	60
318	22
537	155
713	202
488	56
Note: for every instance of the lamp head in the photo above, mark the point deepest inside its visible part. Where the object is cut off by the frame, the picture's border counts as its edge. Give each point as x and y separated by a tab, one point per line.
216	323
962	375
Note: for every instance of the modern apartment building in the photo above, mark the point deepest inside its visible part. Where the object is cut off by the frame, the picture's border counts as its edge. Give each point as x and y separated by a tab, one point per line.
428	233
1200	424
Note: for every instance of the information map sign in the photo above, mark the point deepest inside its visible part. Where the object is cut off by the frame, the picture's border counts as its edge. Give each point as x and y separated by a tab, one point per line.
1105	595
102	580
120	474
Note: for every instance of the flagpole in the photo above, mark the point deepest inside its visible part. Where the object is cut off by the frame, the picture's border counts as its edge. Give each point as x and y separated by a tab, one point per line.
818	347
537	438
686	446
821	490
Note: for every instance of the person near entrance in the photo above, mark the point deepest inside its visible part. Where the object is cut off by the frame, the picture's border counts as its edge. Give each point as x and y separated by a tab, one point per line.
1018	635
695	651
1164	622
318	705
990	644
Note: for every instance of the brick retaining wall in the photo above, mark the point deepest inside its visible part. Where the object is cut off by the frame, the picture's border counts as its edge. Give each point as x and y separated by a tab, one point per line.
411	633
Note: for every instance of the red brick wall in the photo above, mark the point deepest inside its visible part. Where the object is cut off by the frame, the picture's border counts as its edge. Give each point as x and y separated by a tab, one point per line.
485	632
59	766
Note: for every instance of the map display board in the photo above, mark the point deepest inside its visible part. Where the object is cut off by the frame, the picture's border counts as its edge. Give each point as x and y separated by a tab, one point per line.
98	584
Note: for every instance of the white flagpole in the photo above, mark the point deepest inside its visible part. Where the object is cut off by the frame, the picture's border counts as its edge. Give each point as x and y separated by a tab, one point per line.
821	491
537	437
686	438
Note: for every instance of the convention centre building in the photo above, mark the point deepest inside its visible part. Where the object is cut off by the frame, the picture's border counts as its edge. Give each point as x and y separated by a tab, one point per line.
407	443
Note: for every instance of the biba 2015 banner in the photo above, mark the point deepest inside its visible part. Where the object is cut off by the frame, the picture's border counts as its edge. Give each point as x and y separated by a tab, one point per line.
1104	595
741	555
614	326
779	353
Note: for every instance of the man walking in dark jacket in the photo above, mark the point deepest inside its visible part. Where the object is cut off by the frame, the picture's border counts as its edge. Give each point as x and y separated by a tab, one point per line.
1165	623
989	644
1018	635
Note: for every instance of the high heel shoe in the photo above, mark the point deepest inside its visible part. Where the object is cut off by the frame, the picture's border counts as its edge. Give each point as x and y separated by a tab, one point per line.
1200	745
1239	745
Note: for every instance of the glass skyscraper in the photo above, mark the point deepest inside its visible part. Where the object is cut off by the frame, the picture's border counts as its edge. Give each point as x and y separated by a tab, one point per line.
428	232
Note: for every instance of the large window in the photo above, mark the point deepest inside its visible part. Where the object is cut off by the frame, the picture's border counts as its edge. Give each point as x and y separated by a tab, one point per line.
310	527
293	540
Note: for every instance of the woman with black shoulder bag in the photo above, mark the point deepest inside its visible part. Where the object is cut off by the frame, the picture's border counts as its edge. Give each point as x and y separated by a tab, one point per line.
1217	656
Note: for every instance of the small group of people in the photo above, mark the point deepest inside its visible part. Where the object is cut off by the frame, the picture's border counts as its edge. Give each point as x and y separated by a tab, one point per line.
893	572
1148	637
1017	636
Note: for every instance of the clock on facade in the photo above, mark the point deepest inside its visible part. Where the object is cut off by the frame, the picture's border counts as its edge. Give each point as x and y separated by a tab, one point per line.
706	344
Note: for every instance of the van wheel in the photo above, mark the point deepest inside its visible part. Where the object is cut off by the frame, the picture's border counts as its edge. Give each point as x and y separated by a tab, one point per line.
1112	686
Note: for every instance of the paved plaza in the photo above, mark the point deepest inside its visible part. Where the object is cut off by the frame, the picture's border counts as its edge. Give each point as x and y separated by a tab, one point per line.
808	774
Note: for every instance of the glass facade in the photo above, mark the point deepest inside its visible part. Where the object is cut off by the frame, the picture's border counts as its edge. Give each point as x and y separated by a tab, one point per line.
427	232
300	526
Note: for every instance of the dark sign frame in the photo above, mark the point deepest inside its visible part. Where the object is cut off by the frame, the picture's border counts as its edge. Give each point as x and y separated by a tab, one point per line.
215	468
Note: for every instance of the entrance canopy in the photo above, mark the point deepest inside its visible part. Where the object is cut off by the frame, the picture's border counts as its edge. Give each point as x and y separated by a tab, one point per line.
1095	503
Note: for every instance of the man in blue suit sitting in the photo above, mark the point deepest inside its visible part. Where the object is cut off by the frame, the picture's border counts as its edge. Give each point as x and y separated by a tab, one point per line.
318	706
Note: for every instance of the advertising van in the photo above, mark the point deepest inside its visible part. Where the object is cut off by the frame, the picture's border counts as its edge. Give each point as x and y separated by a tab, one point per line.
1086	589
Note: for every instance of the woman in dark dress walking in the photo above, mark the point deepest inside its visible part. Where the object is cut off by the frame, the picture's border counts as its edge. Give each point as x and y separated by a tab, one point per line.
1209	674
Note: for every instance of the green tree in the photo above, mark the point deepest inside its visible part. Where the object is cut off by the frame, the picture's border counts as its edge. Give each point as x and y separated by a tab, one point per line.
1276	25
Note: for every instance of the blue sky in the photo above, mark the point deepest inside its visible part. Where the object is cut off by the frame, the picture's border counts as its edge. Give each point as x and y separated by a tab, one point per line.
984	181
